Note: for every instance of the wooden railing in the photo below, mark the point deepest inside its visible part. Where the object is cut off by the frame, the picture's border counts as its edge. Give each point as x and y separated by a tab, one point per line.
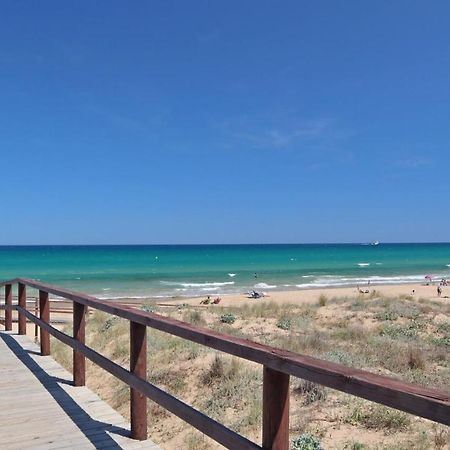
278	366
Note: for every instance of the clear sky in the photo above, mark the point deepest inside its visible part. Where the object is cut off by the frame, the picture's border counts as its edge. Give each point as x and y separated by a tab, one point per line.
224	121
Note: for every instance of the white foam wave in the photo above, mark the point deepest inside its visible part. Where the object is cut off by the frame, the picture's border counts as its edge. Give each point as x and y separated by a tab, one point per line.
231	275
265	286
131	297
363	264
198	285
210	289
333	281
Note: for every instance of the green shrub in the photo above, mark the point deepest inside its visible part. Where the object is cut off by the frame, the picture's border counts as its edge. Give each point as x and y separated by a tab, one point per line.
444	328
408	331
284	323
354	446
148	308
443	341
306	442
386	315
228	318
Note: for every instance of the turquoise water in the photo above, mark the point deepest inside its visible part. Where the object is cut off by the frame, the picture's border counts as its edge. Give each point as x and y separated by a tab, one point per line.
166	271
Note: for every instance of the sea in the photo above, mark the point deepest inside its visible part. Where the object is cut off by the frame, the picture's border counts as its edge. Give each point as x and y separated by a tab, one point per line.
165	271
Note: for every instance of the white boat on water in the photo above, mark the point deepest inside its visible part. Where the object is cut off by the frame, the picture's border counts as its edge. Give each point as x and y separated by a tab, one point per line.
375	243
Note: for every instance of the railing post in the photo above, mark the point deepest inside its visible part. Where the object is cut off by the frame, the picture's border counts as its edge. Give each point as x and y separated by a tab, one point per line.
44	314
275	410
8	310
79	361
138	366
22	295
36	311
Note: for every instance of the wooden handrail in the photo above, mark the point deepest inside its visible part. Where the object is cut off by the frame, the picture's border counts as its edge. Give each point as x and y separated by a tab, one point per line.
278	365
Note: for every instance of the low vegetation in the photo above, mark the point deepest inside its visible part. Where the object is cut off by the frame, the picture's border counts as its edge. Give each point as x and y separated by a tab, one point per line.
306	442
228	318
400	337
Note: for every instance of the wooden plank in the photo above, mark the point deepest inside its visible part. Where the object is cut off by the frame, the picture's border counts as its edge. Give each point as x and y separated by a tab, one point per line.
205	424
275	410
138	366
39	412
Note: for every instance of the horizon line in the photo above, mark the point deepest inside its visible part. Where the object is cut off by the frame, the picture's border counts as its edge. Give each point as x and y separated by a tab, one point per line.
368	243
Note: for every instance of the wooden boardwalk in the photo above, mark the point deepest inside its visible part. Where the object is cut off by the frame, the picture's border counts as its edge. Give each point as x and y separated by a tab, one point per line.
40	409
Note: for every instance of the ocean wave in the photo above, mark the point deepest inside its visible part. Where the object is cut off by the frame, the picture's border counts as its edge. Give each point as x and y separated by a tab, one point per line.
330	281
197	285
363	264
231	275
265	286
132	297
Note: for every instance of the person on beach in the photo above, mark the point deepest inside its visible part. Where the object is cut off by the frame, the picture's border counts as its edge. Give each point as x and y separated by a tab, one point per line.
206	301
439	291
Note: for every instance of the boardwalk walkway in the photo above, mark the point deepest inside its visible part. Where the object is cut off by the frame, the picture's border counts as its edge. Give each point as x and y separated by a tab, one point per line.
40	409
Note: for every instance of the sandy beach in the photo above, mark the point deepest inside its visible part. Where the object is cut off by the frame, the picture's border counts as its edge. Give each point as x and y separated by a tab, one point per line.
308	296
62	309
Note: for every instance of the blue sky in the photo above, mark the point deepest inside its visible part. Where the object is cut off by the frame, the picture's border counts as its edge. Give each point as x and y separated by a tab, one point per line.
226	121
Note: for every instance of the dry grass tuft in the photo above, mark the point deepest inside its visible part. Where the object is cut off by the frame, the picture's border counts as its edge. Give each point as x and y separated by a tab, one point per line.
377	417
416	358
311	392
323	300
194	316
441	437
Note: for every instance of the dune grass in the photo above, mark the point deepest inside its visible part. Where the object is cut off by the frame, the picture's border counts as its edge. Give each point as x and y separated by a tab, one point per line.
394	336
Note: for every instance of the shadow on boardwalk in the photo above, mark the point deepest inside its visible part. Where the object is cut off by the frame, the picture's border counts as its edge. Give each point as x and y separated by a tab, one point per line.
95	431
